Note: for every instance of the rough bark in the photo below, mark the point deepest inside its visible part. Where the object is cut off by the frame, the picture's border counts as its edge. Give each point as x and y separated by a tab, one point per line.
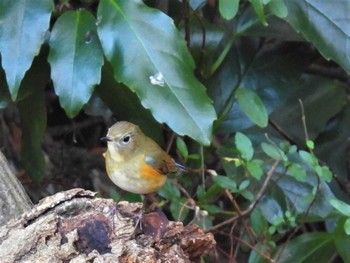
74	226
13	198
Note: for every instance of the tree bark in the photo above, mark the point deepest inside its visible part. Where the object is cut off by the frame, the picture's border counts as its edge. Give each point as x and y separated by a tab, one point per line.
13	198
73	226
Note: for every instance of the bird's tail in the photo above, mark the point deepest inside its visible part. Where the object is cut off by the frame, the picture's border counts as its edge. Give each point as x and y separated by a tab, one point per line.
182	168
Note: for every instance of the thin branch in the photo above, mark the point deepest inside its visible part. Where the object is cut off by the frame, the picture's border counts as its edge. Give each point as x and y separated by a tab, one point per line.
250	208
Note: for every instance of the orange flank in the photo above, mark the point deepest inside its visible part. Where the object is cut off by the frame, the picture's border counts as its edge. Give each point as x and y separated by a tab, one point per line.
148	173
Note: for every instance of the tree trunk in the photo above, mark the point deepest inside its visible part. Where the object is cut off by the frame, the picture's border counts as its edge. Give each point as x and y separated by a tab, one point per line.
13	198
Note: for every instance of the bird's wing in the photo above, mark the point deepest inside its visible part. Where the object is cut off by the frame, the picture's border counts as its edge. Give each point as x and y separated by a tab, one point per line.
163	164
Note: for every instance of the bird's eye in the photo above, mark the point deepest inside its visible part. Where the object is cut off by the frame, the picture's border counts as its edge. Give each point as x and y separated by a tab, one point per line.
126	139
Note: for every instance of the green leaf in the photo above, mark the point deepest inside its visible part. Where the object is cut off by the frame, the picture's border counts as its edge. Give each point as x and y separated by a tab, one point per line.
182	148
341	206
278	8
133	37
228	8
76	59
254	167
244	146
342	240
257	257
212	209
271	210
299	195
334	138
178	208
323	98
259	10
251	104
169	191
310	144
32	110
274	152
347	226
226	183
325	25
128	106
308	158
5	96
257	221
297	171
324	173
309	247
22	29
244	185
270	71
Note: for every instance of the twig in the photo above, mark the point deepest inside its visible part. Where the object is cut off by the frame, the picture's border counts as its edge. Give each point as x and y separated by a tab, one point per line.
250	208
285	244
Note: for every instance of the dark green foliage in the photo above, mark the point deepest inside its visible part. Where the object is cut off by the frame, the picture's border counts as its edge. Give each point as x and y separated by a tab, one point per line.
238	71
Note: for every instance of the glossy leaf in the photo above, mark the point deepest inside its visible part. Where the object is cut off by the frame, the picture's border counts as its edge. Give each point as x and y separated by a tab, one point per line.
333	138
32	110
133	37
326	26
228	8
244	146
299	195
22	30
125	104
251	104
271	210
76	59
322	99
309	247
271	72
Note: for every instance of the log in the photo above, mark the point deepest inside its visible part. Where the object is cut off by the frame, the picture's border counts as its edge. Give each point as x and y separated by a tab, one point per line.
74	226
13	198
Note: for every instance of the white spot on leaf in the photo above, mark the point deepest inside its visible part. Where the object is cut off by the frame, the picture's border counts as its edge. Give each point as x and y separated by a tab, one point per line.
157	79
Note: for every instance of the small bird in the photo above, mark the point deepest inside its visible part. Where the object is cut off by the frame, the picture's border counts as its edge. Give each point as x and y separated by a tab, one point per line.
135	162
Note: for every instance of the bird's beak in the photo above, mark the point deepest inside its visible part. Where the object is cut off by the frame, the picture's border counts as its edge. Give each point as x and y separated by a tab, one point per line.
106	139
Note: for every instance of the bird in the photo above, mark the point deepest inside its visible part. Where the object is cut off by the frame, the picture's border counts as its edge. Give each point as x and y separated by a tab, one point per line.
135	162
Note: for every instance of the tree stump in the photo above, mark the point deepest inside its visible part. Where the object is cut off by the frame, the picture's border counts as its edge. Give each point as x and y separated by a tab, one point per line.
74	226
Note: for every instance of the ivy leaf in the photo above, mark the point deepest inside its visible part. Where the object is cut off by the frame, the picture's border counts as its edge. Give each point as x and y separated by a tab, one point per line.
22	32
76	59
133	36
